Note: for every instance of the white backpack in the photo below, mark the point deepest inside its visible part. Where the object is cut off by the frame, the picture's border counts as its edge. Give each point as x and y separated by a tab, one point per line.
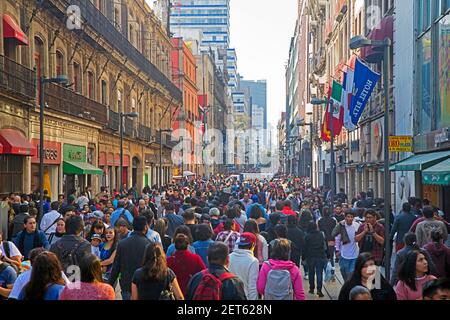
278	285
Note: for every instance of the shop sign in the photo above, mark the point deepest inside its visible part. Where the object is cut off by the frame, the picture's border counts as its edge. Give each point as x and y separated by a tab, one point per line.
443	136
52	152
74	153
400	144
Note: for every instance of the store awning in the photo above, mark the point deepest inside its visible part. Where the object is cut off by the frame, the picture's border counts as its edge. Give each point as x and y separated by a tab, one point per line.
391	168
12	31
1	148
70	167
14	142
421	162
438	174
385	29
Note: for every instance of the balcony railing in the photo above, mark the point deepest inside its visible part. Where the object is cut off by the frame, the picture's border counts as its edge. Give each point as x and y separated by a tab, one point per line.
144	133
103	26
113	120
17	79
66	101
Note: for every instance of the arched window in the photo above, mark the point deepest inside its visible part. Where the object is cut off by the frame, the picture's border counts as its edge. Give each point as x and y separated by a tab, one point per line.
91	85
104	93
77	80
60	68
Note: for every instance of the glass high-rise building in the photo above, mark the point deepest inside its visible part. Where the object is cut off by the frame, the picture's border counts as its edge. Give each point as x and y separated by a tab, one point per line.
207	21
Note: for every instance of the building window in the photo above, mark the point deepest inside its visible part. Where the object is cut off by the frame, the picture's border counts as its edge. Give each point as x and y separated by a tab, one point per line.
104	93
11	173
77	77
91	83
119	101
117	23
60	63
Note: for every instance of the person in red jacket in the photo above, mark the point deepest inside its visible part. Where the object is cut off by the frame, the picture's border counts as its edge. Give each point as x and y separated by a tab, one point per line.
287	209
184	263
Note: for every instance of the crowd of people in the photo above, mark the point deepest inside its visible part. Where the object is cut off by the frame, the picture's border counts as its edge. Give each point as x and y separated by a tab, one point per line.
221	239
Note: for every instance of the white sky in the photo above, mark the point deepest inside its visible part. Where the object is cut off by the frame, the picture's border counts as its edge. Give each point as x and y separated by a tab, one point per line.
261	32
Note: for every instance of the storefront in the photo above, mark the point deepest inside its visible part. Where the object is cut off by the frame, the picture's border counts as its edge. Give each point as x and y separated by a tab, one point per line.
52	168
14	150
76	169
432	175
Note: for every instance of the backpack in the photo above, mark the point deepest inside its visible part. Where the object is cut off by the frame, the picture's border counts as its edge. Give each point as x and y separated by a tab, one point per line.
8	255
210	287
278	285
68	257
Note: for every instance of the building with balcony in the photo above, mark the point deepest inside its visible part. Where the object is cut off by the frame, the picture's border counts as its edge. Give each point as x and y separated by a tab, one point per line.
117	61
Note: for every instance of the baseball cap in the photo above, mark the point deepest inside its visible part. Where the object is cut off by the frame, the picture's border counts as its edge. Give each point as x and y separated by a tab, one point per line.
96	236
214	212
246	238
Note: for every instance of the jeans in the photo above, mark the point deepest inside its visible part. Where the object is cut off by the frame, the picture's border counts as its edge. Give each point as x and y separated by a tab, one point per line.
316	267
305	267
126	295
347	267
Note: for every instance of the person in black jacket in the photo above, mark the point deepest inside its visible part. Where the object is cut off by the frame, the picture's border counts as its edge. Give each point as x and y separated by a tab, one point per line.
129	255
297	238
326	224
232	289
71	248
365	269
316	256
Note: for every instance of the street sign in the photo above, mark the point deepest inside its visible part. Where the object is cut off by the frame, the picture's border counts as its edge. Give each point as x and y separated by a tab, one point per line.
400	144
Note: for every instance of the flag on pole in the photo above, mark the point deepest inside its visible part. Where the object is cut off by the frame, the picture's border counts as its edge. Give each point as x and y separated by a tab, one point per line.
364	82
326	132
347	89
337	109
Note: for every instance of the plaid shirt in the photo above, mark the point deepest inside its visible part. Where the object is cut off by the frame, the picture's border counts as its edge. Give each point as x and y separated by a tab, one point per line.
377	249
231	242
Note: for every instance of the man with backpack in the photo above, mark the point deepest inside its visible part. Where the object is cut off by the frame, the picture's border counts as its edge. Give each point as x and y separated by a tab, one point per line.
48	222
129	255
71	248
122	214
216	283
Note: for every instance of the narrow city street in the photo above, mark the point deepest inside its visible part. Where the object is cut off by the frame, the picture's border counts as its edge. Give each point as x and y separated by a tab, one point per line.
224	150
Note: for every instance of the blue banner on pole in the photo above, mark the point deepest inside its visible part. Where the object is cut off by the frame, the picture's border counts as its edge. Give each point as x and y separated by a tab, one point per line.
365	80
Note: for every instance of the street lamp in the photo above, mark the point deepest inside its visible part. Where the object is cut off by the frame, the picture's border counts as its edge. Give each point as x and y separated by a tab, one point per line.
160	154
385	46
122	115
61	79
319	102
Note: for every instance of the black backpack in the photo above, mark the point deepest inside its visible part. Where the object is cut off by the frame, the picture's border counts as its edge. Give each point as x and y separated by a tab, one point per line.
68	257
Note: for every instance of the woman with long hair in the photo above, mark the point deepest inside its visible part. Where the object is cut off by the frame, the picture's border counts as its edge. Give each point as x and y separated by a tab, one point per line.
161	228
366	274
108	251
91	286
46	281
261	250
154	280
413	274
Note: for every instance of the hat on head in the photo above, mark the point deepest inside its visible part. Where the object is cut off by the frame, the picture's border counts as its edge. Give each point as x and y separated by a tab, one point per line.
214	212
246	238
96	236
98	214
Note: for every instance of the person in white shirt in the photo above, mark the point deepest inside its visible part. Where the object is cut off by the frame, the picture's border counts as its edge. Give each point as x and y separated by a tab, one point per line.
244	264
11	253
48	222
152	235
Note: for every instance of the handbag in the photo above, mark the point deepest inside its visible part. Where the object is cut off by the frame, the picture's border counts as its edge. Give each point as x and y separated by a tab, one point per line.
167	293
328	272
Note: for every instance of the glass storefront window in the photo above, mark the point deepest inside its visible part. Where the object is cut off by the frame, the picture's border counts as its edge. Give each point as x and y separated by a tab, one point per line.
443	103
424	83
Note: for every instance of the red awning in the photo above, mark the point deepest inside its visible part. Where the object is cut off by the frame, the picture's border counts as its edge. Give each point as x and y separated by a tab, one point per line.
14	142
12	31
1	148
384	30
